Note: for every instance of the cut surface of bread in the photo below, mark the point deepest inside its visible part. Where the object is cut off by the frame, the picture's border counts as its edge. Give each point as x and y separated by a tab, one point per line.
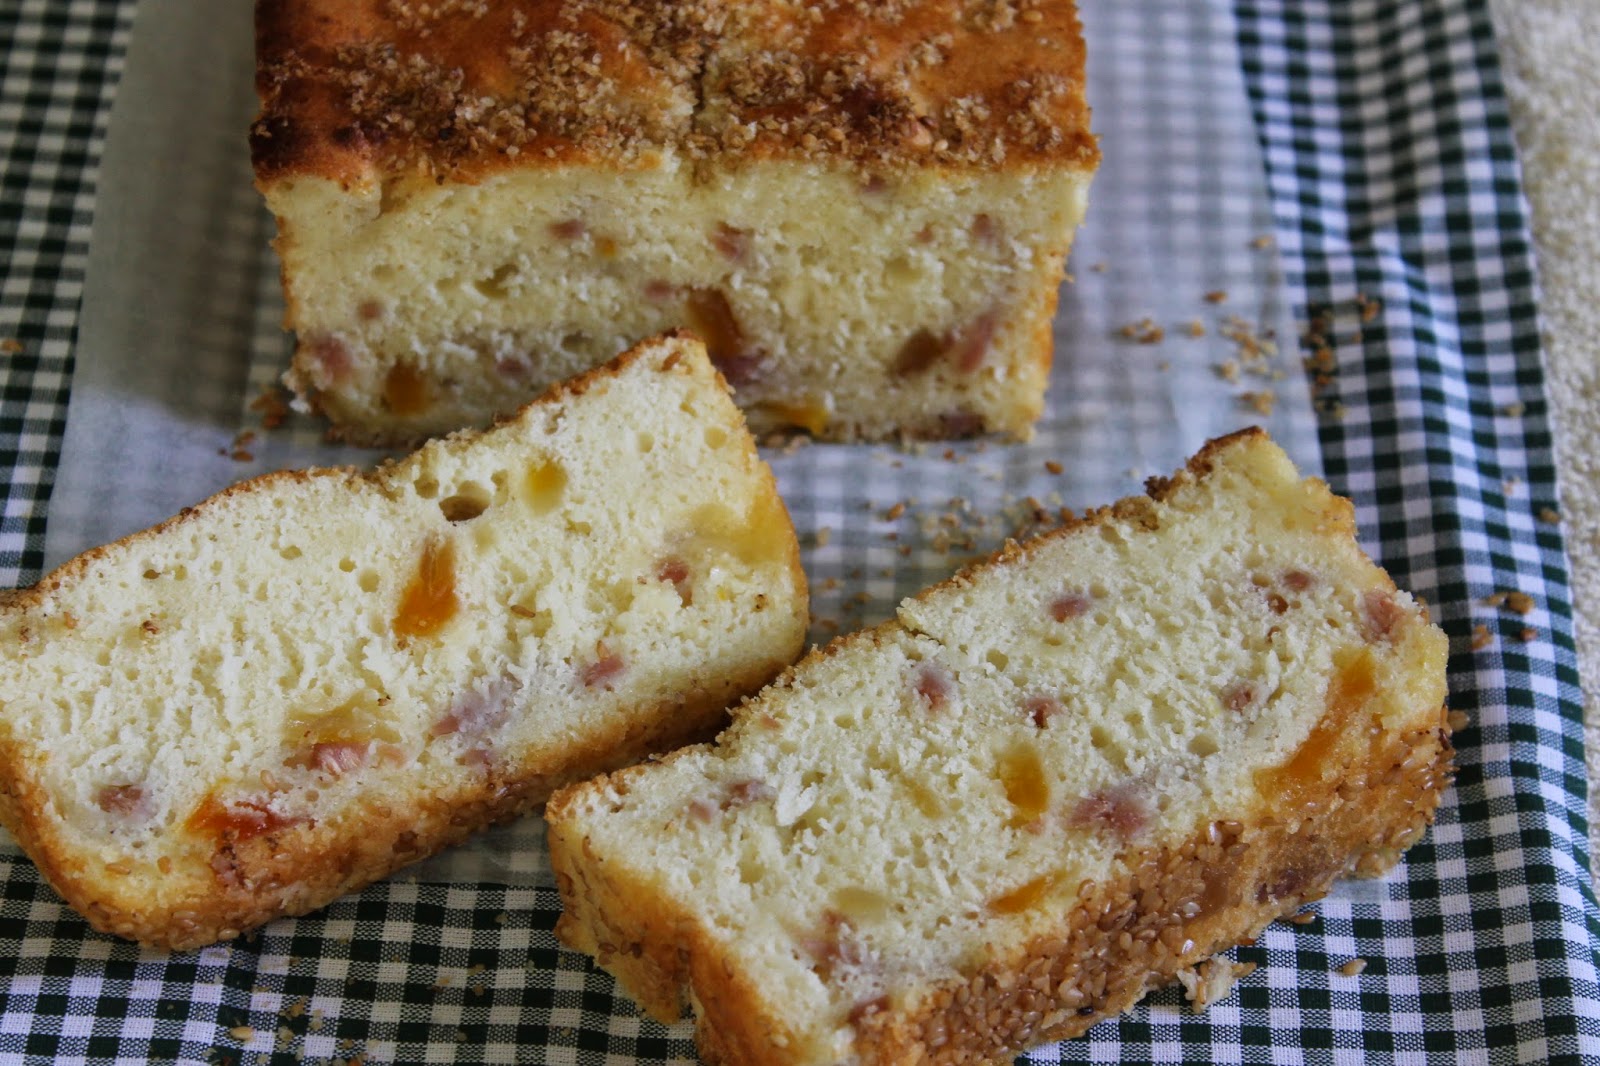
316	677
864	209
1050	784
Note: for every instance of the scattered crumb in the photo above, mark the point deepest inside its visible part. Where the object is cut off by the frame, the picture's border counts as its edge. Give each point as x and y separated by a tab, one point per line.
1052	466
1217	296
1457	721
893	514
1481	637
824	535
1303	918
1212	980
1511	600
242	1033
501	918
1514	410
272	407
1353	968
1527	634
1260	402
1368	307
1145	331
1228	370
1196	328
10	346
1264	241
1549	516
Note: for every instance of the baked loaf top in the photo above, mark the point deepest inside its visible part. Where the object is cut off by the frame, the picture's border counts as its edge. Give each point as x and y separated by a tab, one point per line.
359	90
317	676
1051	783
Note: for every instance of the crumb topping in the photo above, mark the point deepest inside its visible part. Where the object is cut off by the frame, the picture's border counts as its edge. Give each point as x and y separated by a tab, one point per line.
457	88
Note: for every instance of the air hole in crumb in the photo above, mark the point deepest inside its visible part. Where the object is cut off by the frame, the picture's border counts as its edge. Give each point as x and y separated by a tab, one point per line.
470	501
383	272
716	436
998	659
291	552
347	564
901	269
582	529
426	487
751	870
1203	744
496	285
647	443
151	575
575	342
368	581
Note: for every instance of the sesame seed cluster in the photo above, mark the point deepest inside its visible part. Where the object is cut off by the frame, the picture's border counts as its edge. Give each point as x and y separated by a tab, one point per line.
460	88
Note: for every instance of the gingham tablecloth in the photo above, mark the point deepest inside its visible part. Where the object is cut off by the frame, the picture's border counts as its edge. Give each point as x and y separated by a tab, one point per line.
1401	224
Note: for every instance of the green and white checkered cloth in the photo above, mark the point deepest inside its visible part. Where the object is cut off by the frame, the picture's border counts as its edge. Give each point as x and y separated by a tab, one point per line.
1393	180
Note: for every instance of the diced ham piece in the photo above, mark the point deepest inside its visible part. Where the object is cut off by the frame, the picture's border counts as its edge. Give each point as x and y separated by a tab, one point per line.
971	345
477	713
338	757
933	683
1297	580
984	229
675	572
126	801
1041	709
744	793
834	945
1239	695
660	292
734	244
330	359
1117	809
1068	605
1383	615
603	671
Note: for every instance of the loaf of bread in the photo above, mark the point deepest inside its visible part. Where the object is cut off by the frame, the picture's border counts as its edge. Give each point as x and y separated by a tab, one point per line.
1052	783
317	677
863	208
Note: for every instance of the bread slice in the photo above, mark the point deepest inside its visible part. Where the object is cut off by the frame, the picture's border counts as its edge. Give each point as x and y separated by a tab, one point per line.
316	677
1050	784
863	208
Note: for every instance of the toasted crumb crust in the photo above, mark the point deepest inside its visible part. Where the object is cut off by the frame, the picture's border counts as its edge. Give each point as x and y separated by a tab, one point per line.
460	89
303	866
1176	905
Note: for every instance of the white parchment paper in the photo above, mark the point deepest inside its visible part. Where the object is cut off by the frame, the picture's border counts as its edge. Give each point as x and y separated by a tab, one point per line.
179	330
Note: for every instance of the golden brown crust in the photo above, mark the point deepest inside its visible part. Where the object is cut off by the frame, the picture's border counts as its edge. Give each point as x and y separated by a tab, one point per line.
238	884
300	868
1170	907
1175	906
354	90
